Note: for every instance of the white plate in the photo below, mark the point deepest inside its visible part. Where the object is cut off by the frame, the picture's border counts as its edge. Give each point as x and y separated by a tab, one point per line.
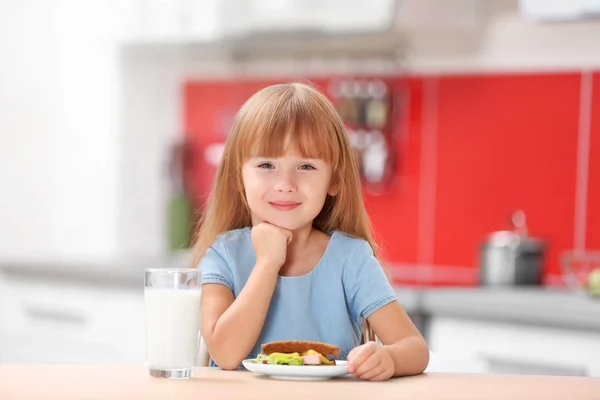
298	372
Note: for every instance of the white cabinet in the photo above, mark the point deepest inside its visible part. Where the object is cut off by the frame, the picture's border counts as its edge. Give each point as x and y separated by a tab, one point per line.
332	16
46	322
492	347
172	21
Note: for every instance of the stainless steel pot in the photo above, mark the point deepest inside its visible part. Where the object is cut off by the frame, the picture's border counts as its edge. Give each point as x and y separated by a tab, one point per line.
509	258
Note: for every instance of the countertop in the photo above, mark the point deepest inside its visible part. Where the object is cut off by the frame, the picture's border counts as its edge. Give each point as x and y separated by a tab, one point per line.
133	382
539	306
529	305
552	307
124	273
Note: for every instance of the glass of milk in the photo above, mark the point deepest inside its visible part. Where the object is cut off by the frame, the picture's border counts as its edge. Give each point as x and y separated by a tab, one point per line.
172	297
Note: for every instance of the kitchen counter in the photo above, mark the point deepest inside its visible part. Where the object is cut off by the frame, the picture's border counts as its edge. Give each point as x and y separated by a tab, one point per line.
127	382
120	273
528	305
538	306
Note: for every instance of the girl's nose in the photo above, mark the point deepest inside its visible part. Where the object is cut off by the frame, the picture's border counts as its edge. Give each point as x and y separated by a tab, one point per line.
286	183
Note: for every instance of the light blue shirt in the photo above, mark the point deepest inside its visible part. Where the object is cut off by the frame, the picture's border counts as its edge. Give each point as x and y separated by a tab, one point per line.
329	304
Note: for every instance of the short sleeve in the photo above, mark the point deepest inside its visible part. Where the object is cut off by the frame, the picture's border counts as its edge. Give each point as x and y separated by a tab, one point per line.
214	267
366	286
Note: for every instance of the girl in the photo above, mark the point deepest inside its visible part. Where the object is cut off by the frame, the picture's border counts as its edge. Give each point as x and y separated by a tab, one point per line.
285	248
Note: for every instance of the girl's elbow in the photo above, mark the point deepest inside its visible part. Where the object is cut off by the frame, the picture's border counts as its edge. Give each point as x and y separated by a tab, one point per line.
227	362
424	358
228	366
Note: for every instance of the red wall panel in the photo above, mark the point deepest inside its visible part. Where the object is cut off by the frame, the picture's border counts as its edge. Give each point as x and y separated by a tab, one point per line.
472	149
593	201
394	214
504	143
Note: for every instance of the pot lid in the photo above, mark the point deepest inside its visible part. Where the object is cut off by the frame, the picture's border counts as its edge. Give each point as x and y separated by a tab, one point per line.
513	239
518	237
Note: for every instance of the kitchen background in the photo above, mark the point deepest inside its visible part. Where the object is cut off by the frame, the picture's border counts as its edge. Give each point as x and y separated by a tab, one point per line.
468	116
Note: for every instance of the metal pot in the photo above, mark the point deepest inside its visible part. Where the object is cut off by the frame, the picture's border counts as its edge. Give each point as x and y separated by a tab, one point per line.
509	258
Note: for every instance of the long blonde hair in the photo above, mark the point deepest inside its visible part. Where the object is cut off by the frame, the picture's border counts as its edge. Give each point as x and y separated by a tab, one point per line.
278	116
291	115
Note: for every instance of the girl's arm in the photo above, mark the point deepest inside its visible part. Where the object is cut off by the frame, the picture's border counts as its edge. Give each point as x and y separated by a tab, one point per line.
404	350
230	327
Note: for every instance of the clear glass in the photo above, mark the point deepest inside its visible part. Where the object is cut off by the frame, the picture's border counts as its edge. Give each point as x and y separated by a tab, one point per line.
172	303
581	271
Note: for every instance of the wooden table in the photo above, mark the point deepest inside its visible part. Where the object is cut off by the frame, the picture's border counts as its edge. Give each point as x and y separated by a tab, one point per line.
133	382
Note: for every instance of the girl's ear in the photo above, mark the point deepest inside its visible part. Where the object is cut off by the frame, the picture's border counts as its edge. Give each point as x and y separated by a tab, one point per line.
334	188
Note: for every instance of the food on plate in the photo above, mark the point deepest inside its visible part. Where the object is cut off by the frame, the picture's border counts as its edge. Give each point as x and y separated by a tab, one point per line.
298	352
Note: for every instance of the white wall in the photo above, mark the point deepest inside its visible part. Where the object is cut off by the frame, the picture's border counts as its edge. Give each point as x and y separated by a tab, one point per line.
80	180
151	122
497	37
28	68
58	114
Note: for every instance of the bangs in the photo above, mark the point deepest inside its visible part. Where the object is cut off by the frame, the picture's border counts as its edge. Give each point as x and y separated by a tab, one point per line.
287	119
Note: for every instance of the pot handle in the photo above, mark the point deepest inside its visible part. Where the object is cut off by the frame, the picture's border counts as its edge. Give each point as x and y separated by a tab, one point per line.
519	223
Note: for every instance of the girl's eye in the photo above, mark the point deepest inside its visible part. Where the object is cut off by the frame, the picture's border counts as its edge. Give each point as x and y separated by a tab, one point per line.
307	167
266	165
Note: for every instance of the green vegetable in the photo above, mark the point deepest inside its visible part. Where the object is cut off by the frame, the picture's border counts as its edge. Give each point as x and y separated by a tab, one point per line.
279	360
295	361
594	282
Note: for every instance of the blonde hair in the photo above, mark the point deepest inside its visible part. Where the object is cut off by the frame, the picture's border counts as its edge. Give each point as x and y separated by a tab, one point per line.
295	115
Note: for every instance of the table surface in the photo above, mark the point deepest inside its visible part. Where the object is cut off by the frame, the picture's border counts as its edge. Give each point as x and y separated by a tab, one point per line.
129	382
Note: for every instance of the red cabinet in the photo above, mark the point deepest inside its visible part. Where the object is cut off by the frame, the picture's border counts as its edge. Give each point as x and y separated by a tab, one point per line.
593	198
394	214
472	149
505	142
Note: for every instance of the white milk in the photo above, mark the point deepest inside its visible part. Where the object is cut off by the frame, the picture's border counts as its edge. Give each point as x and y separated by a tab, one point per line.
172	327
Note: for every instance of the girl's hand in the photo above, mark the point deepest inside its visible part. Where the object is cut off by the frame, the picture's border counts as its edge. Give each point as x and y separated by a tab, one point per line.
270	244
371	361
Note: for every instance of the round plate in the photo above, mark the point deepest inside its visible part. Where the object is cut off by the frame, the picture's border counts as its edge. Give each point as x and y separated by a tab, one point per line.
298	372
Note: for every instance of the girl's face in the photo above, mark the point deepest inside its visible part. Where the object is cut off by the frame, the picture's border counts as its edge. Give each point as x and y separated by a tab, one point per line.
287	191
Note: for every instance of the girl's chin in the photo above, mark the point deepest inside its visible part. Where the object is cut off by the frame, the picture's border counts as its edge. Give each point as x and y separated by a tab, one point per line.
289	225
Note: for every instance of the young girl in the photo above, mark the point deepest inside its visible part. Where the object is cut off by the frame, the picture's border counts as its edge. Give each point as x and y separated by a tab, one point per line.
285	248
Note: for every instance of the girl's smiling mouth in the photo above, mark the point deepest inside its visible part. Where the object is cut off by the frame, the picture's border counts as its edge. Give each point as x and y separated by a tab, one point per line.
284	205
